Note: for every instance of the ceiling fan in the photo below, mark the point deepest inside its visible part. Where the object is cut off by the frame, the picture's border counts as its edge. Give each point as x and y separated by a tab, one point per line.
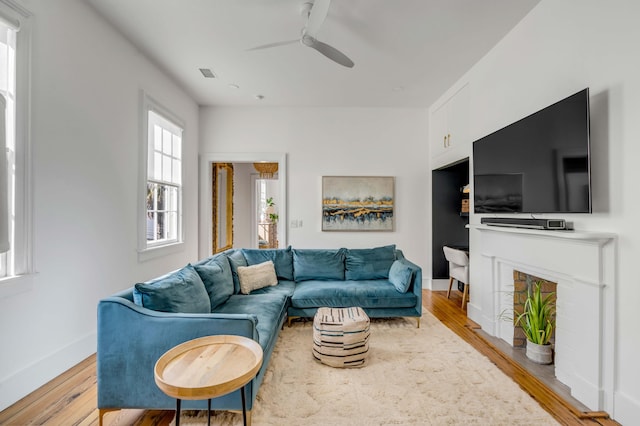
316	12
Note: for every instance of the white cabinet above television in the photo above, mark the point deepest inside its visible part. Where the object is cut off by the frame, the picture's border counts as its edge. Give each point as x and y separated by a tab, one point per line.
449	129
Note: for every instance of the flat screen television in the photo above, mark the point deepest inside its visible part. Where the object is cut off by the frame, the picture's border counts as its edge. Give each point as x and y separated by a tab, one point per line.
539	164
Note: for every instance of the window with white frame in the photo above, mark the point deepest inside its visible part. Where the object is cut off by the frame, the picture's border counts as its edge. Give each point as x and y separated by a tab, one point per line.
15	218
163	221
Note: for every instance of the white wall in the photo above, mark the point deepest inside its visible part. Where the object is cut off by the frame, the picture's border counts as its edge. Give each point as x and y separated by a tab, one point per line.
561	47
329	142
86	81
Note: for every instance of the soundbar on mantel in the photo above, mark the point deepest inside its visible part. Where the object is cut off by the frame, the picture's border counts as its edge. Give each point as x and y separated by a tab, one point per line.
546	224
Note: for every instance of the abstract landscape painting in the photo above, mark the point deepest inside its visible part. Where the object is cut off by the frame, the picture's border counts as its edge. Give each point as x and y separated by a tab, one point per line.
357	203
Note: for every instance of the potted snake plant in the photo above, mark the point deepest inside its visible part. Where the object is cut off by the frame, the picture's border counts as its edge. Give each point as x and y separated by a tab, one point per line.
537	321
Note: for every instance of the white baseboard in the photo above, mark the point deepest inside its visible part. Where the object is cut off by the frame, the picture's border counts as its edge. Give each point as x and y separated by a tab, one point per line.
33	376
625	409
437	284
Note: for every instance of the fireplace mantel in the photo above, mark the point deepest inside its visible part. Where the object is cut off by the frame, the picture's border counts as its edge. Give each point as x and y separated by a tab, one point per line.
595	237
583	265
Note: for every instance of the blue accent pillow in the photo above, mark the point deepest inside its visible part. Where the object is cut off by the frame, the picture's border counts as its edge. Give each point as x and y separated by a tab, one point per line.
313	264
218	279
236	259
400	276
282	260
369	264
181	291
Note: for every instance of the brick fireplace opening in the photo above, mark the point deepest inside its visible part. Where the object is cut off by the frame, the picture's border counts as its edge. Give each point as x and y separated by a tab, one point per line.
522	284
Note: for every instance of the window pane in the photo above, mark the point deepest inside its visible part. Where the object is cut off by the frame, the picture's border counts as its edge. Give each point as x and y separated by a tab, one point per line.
151	196
157	166
177	171
177	142
157	138
166	142
4	60
162	198
151	226
10	128
172	199
171	225
161	228
166	168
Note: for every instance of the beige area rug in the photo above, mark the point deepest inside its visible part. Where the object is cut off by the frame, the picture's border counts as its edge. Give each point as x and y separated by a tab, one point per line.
425	376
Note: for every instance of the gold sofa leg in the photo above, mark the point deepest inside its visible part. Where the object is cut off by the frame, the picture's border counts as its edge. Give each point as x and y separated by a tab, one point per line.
418	321
289	319
102	412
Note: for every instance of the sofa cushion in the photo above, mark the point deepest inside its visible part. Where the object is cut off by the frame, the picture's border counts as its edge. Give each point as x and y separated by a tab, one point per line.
369	264
257	276
284	287
236	259
312	264
400	275
180	291
282	260
268	308
217	278
342	294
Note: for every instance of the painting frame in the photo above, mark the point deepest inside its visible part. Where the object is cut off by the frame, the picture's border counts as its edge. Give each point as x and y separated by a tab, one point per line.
358	203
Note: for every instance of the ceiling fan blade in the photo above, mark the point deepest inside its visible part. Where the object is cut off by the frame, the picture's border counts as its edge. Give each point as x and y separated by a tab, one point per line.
276	44
318	14
328	51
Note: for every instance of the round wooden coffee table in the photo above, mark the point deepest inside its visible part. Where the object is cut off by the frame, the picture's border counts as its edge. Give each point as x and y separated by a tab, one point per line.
208	367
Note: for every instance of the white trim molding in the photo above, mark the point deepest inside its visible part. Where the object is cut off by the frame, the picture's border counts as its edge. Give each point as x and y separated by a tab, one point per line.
205	228
145	252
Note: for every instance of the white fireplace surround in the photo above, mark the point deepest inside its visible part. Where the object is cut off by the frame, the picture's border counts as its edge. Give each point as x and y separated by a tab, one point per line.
583	266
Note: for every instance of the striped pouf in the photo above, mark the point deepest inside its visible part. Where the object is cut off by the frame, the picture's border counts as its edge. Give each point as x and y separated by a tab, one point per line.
341	336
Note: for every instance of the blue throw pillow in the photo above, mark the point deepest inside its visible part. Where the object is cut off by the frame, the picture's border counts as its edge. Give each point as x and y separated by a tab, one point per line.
400	276
312	264
218	279
282	260
369	264
180	291
236	259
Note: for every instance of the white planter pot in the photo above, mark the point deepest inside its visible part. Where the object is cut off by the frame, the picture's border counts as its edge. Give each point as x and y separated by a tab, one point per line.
541	354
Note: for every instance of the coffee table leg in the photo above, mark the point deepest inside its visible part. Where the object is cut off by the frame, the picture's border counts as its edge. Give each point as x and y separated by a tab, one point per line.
209	412
178	412
244	407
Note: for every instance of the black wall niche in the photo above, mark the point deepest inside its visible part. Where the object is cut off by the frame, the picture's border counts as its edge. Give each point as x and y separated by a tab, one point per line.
448	224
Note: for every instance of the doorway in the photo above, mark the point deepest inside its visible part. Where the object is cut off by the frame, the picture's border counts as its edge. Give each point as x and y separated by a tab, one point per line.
242	218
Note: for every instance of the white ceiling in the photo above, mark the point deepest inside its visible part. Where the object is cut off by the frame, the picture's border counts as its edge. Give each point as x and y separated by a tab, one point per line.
406	52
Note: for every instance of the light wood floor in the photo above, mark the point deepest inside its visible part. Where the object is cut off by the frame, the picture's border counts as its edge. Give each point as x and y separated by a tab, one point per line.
70	399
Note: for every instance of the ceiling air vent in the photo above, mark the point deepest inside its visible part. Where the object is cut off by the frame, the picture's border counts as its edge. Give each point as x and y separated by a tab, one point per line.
207	73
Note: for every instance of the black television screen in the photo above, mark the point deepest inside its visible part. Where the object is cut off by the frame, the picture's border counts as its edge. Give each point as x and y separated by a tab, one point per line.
539	164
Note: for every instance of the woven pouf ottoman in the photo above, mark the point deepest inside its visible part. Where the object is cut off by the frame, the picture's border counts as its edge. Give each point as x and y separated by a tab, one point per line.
341	336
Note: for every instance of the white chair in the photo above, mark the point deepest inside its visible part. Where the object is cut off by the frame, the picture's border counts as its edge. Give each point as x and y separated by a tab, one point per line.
458	270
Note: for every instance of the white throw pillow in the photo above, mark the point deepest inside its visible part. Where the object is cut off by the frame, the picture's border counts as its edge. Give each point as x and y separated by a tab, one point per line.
257	276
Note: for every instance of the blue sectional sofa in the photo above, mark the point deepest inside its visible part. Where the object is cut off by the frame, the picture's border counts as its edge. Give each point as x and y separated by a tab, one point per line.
136	326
